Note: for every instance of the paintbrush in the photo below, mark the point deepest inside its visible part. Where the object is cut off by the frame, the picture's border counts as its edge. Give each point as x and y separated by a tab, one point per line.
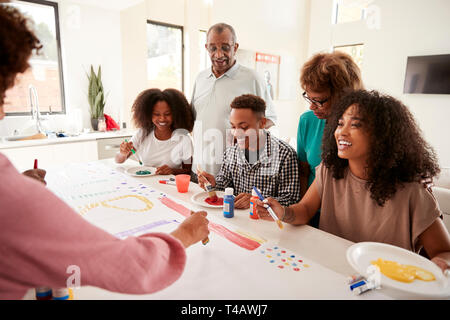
269	209
212	194
134	152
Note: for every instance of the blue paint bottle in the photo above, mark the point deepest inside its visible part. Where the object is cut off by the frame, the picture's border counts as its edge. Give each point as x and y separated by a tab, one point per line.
228	203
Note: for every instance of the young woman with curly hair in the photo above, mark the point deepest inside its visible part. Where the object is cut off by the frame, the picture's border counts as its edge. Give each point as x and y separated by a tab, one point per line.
164	119
38	230
368	185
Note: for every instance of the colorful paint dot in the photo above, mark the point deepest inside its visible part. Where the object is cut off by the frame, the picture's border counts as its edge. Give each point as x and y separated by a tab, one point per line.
296	269
284	260
268	249
289	259
286	263
262	251
294	264
268	256
275	248
281	267
300	260
278	254
272	261
306	265
283	251
292	256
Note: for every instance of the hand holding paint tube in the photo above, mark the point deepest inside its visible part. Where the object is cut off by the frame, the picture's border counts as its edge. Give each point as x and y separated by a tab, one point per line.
268	209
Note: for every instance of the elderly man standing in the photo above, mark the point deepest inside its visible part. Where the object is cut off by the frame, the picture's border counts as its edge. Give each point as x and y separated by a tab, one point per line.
213	92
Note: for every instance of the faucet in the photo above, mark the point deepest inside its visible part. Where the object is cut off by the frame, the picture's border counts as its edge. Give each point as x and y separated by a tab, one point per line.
34	103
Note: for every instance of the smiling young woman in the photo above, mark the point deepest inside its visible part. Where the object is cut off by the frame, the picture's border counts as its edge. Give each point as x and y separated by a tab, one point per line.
368	185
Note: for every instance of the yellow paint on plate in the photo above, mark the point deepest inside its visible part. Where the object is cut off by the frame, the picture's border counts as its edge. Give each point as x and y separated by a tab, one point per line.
306	265
269	256
402	272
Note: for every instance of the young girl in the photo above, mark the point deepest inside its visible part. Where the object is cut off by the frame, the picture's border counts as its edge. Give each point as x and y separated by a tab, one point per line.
164	119
368	185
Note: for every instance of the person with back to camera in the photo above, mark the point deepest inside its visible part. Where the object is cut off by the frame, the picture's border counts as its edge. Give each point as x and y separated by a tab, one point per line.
41	236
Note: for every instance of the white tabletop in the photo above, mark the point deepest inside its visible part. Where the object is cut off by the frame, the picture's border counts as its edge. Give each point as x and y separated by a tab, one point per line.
322	249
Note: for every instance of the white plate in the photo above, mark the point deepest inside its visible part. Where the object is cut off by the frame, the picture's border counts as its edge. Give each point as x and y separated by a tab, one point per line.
200	197
361	254
132	171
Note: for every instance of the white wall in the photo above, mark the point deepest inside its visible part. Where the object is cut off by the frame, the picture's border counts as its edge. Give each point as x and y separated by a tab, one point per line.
407	28
274	27
95	40
134	52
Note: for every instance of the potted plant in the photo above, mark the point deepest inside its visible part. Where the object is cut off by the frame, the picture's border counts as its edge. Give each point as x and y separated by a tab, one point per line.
96	96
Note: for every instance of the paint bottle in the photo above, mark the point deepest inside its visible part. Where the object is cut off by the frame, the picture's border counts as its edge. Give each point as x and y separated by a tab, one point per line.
43	293
63	294
228	203
253	214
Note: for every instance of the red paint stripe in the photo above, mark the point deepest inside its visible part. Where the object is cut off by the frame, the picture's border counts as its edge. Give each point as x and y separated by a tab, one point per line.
241	241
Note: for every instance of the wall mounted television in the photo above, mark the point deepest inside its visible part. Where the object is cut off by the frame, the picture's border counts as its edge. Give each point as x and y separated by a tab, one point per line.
428	74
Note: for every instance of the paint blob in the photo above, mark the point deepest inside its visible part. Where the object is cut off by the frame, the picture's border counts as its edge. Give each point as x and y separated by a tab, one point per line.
217	202
402	272
143	172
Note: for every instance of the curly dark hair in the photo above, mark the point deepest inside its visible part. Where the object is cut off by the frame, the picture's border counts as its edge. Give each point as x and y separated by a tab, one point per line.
17	42
181	109
398	152
250	101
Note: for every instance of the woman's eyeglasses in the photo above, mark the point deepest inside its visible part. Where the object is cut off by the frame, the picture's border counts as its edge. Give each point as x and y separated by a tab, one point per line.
317	103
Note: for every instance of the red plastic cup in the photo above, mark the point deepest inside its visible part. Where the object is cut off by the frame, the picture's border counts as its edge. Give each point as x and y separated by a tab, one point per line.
182	182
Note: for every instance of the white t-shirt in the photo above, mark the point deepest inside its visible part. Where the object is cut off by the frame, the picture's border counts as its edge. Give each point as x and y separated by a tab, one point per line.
171	152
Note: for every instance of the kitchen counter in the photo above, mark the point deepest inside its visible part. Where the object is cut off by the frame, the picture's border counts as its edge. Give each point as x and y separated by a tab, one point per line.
91	136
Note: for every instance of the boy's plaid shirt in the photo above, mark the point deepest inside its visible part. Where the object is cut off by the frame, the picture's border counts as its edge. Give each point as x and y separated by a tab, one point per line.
276	174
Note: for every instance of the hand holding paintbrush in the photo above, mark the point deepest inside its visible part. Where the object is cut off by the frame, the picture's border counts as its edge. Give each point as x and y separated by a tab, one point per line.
207	182
269	209
126	149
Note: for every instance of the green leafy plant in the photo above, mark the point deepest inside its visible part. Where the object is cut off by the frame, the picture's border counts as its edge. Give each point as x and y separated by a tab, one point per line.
96	95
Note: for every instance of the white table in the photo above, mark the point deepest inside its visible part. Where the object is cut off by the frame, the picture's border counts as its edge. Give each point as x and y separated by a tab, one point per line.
321	248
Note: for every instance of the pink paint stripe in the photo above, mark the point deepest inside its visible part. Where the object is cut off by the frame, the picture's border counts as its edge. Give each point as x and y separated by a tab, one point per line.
175	206
241	241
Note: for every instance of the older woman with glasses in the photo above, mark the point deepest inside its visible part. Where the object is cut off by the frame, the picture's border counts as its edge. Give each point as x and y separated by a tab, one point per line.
324	78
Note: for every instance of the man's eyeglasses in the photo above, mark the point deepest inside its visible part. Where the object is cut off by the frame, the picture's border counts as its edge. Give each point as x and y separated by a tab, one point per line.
317	103
224	48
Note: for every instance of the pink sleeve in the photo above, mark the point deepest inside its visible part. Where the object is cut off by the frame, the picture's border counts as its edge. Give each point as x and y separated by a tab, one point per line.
41	236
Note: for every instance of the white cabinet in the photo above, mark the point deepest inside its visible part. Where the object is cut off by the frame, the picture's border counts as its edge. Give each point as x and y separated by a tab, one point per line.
108	147
53	154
